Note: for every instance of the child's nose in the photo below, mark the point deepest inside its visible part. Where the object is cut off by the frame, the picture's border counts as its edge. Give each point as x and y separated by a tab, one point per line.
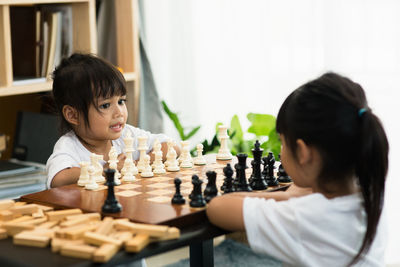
118	112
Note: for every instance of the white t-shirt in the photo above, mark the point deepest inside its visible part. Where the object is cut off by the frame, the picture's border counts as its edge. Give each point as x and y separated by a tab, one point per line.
312	230
69	151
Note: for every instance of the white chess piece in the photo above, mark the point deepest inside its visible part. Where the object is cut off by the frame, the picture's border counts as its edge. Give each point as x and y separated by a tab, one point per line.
129	170
98	168
147	170
113	161
223	152
199	160
142	147
173	162
84	175
186	159
91	185
170	145
158	165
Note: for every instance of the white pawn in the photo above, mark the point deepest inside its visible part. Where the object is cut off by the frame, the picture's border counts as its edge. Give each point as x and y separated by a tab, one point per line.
173	162
199	160
142	147
186	159
147	170
84	175
113	161
91	185
98	168
223	152
129	170
170	145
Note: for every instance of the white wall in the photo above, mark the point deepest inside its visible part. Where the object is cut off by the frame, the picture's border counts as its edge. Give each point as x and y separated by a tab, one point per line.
216	58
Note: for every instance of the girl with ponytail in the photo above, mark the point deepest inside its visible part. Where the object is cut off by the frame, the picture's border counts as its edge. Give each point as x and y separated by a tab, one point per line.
335	145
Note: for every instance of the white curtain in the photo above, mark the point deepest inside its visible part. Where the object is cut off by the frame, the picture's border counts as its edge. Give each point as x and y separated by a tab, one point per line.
216	58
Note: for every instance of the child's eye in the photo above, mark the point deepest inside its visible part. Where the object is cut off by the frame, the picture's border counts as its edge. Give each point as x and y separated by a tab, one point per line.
105	106
122	101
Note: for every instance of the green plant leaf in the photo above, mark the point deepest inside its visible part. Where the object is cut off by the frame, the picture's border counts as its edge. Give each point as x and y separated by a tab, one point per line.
174	118
273	143
192	132
261	124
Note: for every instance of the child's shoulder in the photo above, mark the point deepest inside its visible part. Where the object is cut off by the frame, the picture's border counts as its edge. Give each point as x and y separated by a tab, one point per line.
67	140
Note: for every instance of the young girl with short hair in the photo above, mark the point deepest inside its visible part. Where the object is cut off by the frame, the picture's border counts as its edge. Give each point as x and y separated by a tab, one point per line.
334	144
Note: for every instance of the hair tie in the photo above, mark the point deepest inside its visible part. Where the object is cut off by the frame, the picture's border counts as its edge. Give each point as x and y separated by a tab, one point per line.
361	112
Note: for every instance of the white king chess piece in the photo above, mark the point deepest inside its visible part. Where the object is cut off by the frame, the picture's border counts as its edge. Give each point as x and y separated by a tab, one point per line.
113	164
98	168
199	160
223	152
84	175
142	147
186	159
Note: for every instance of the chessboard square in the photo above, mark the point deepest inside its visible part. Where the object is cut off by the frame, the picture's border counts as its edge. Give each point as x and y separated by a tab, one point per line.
128	186
127	193
186	191
186	178
101	187
160	185
159	192
187	184
187	172
160	199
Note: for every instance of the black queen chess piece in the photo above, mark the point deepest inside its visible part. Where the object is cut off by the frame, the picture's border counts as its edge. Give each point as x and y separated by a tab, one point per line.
241	167
178	198
283	177
197	200
211	189
111	204
257	181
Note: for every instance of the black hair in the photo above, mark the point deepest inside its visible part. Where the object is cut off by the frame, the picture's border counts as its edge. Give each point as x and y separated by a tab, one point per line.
331	113
80	80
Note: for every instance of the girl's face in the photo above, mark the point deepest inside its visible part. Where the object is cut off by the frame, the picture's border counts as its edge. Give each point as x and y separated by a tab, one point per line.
107	122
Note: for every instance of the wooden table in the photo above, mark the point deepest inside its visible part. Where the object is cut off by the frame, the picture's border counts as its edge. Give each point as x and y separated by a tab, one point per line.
196	231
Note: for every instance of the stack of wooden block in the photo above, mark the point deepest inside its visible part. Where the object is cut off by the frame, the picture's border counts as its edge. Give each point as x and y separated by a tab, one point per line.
74	233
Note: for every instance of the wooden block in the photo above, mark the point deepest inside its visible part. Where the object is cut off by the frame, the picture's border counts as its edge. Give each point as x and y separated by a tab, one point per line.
21	219
105	252
3	233
99	239
76	232
137	243
61	214
93	216
105	226
74	222
38	214
20	203
6	215
32	240
15	228
78	251
123	236
6	203
173	233
58	243
47	225
24	209
45	208
41	232
34	221
140	228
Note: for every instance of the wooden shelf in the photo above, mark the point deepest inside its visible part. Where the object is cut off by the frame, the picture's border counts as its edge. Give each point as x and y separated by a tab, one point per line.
26	89
36	2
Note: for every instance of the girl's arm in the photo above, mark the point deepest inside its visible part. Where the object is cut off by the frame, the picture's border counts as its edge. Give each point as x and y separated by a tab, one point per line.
66	176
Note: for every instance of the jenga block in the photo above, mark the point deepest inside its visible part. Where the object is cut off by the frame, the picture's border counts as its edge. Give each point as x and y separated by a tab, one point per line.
24	209
42	232
6	204
173	233
47	225
6	215
15	228
99	239
137	243
61	214
123	236
74	222
34	221
105	226
140	228
45	208
76	232
105	252
21	219
78	251
58	243
3	233
20	203
38	214
93	216
32	240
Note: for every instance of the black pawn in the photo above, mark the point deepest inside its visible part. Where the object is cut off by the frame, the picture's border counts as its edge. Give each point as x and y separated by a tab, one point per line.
283	177
194	177
197	200
178	198
111	204
257	182
241	167
270	178
211	189
228	181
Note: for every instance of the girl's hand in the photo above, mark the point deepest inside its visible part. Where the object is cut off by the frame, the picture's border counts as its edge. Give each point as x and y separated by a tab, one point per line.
121	160
296	191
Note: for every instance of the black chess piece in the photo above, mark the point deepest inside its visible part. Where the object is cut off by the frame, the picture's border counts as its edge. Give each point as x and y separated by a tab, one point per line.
241	167
194	177
211	189
197	200
270	177
228	181
111	204
178	198
257	182
252	173
283	177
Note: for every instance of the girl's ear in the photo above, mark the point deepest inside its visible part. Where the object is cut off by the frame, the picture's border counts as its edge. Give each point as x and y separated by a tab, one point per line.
304	153
70	114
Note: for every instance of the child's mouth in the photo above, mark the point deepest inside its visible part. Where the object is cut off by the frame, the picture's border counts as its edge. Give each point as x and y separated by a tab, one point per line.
116	127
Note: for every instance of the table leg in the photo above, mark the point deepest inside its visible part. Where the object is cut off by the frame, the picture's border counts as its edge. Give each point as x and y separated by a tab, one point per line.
202	254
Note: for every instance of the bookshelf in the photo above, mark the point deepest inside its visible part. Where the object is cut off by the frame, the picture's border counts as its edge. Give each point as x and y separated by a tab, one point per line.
27	95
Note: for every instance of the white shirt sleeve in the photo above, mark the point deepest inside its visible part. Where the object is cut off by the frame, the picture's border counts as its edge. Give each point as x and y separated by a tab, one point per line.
271	228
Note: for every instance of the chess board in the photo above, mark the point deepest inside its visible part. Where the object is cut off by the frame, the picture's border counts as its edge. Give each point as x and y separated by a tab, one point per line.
146	200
